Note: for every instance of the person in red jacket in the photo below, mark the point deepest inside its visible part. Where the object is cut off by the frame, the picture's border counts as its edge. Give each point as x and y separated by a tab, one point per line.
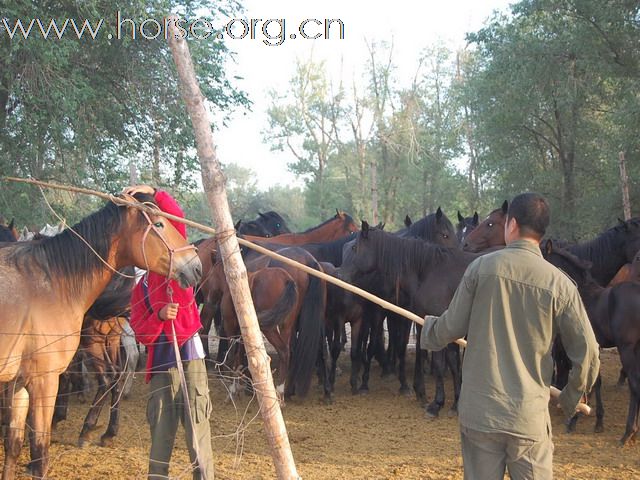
158	307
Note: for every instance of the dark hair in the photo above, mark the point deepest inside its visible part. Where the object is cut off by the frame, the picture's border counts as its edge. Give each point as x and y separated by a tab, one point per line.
531	211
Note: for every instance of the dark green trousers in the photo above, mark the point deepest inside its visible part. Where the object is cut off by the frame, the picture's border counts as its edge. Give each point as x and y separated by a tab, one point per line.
166	409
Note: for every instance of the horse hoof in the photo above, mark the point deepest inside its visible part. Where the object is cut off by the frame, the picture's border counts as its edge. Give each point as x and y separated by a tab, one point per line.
599	428
83	442
106	441
430	415
432	411
363	391
328	400
404	391
453	412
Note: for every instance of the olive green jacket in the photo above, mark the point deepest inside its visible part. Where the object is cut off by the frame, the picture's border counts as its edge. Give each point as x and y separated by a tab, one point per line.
510	304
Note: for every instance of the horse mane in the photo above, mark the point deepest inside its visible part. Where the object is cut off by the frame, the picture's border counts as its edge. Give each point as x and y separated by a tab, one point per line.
398	256
66	257
346	218
425	228
603	244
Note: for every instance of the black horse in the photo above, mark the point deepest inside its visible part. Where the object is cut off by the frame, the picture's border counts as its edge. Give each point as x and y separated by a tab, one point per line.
267	224
465	226
427	274
614	314
8	233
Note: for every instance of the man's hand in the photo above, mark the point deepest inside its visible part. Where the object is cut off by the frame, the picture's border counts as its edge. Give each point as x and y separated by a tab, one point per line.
168	312
132	190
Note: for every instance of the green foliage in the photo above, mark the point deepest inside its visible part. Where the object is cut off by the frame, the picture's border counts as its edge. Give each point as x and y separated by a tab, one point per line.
81	110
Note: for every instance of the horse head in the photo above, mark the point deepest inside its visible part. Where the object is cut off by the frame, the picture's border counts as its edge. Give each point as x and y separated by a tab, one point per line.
150	241
489	233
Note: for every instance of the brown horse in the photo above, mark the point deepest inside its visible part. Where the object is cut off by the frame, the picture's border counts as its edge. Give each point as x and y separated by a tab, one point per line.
275	297
48	286
288	301
337	227
489	233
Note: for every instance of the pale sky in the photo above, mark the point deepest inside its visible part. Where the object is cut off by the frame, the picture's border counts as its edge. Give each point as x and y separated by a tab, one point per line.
411	24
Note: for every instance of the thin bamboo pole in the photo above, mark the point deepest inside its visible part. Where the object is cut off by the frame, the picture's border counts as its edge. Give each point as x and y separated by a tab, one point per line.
213	181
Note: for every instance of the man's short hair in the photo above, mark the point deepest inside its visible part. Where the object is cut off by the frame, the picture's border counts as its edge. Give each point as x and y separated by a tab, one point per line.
531	211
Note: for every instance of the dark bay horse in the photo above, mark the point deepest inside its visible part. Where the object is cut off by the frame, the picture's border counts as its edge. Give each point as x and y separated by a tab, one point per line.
428	274
608	252
48	286
614	313
99	349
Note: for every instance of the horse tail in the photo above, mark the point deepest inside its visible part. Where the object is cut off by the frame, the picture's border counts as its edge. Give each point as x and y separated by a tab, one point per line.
310	335
272	317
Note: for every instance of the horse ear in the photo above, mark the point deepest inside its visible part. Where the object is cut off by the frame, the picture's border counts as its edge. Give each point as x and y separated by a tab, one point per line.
505	207
623	224
438	214
237	225
381	226
475	219
548	247
407	221
263	216
338	213
460	217
364	229
11	224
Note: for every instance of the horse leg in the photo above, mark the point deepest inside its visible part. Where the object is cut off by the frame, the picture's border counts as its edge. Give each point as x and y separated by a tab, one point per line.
439	365
418	371
599	427
453	361
206	319
284	355
630	363
336	348
368	348
62	400
325	364
41	390
90	421
116	385
402	340
356	354
622	378
16	405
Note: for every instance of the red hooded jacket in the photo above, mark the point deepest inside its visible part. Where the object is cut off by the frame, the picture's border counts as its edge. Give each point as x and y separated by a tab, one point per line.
146	325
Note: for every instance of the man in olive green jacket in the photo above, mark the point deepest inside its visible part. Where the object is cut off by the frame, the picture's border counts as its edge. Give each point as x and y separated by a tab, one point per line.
510	304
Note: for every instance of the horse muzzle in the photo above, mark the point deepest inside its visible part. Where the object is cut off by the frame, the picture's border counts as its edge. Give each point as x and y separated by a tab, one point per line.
190	273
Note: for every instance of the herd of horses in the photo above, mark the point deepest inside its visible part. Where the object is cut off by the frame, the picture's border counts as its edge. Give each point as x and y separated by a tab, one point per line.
82	283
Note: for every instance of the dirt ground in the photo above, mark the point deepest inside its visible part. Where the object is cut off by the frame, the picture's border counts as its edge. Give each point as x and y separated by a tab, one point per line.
378	436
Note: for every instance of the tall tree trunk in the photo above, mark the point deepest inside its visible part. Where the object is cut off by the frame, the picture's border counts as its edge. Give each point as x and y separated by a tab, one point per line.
214	182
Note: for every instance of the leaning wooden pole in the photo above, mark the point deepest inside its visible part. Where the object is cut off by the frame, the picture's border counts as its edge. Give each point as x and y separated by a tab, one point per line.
624	185
213	181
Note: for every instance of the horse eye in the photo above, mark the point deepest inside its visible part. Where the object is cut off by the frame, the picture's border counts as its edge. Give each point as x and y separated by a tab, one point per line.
489	224
277	225
444	235
158	225
353	247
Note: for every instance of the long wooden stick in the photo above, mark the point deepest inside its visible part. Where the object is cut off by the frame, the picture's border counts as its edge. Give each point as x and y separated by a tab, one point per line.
582	407
213	181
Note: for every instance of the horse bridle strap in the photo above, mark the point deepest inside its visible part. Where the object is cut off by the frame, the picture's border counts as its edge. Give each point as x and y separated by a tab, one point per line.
171	250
